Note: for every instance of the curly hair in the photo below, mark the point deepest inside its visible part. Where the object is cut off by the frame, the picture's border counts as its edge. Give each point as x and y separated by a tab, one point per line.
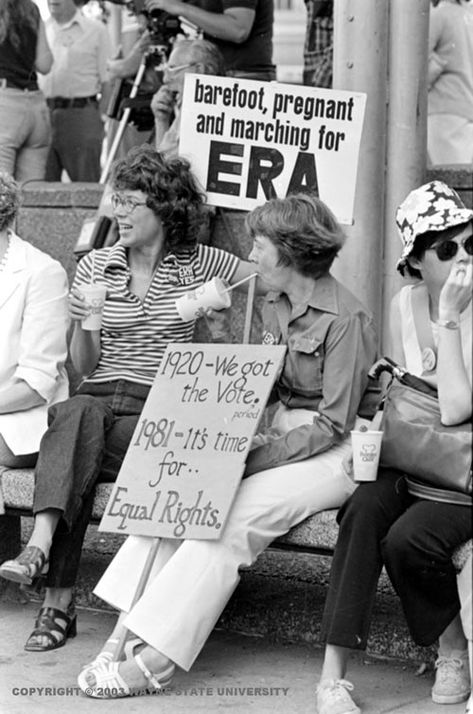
304	230
15	15
9	200
171	189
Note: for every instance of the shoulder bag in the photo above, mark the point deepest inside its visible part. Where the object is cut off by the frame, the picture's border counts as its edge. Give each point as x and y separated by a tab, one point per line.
436	459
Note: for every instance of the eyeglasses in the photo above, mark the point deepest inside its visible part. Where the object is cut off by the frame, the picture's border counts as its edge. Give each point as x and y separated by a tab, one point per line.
449	248
126	202
177	67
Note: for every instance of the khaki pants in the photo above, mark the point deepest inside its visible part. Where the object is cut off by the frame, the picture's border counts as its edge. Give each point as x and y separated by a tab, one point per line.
192	580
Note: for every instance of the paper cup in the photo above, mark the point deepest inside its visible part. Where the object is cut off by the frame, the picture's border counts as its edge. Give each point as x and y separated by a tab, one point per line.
94	296
366	447
211	294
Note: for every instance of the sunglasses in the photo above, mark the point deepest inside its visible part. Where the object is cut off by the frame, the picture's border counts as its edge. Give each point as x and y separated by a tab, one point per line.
449	248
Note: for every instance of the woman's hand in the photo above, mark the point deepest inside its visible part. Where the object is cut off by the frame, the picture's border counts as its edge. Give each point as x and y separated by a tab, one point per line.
163	102
78	310
85	344
219	325
454	387
456	291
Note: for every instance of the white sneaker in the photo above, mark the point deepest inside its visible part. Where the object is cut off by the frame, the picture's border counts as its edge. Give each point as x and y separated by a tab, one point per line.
469	705
452	679
333	698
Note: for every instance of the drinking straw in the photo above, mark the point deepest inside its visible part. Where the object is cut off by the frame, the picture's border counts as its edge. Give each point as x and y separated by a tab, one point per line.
249	308
93	268
244	280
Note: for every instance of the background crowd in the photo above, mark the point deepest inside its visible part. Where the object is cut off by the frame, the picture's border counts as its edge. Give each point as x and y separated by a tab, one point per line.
62	88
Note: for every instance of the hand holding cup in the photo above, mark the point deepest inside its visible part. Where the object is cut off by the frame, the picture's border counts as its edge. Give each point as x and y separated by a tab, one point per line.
86	304
213	294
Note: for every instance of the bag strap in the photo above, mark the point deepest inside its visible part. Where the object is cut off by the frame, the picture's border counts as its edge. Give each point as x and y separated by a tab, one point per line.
431	493
425	338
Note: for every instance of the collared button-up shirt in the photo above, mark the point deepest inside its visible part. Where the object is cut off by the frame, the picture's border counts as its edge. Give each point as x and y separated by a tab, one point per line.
331	344
80	49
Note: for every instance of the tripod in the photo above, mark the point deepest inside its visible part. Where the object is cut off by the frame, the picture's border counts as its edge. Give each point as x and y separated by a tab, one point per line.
102	230
151	54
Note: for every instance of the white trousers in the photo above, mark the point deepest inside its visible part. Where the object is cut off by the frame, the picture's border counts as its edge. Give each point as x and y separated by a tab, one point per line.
191	581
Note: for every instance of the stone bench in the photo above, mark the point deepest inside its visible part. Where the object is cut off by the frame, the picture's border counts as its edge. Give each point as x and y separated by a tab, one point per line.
317	534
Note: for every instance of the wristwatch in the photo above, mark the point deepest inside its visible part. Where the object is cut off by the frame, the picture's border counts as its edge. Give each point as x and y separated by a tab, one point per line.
449	324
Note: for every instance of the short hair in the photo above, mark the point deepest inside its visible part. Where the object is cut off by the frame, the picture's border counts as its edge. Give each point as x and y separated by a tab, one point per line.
426	240
172	192
304	230
10	196
204	52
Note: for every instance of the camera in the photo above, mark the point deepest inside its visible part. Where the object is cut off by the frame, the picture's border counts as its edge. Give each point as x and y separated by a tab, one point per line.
161	26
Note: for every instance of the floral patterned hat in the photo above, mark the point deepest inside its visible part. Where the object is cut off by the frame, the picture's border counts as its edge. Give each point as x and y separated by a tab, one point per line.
432	207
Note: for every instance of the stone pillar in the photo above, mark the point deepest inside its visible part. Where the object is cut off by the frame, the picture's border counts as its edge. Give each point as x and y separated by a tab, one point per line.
406	154
360	64
52	214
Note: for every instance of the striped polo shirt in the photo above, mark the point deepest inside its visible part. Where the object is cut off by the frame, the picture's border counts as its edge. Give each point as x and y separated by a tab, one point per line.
135	333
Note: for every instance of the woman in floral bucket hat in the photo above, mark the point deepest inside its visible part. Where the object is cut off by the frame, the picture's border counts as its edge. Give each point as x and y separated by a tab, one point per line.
383	523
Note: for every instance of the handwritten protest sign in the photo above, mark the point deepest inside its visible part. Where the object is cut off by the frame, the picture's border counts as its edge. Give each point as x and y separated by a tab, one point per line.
187	454
249	141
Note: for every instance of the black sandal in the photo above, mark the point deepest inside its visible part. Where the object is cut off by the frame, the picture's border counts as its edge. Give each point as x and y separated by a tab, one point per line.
26	567
47	625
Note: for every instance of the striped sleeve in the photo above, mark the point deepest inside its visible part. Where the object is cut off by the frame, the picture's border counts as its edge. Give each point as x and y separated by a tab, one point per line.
97	259
215	261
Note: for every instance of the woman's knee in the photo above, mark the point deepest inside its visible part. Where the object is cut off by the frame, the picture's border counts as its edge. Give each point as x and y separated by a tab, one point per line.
400	544
12	461
362	507
78	406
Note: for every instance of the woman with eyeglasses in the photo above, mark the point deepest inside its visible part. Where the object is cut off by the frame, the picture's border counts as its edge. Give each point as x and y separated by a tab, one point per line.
388	522
157	259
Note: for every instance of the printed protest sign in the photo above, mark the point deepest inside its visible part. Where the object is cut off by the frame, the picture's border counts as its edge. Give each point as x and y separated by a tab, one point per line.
187	454
250	141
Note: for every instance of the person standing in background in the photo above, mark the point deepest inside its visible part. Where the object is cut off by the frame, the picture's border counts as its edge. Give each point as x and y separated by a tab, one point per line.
241	29
81	48
24	117
318	44
450	78
122	71
199	56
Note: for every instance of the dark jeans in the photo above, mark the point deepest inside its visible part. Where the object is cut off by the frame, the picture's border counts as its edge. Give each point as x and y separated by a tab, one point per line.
76	143
85	443
382	524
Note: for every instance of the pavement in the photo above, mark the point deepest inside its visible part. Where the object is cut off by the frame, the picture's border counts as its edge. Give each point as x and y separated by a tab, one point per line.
264	656
236	673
